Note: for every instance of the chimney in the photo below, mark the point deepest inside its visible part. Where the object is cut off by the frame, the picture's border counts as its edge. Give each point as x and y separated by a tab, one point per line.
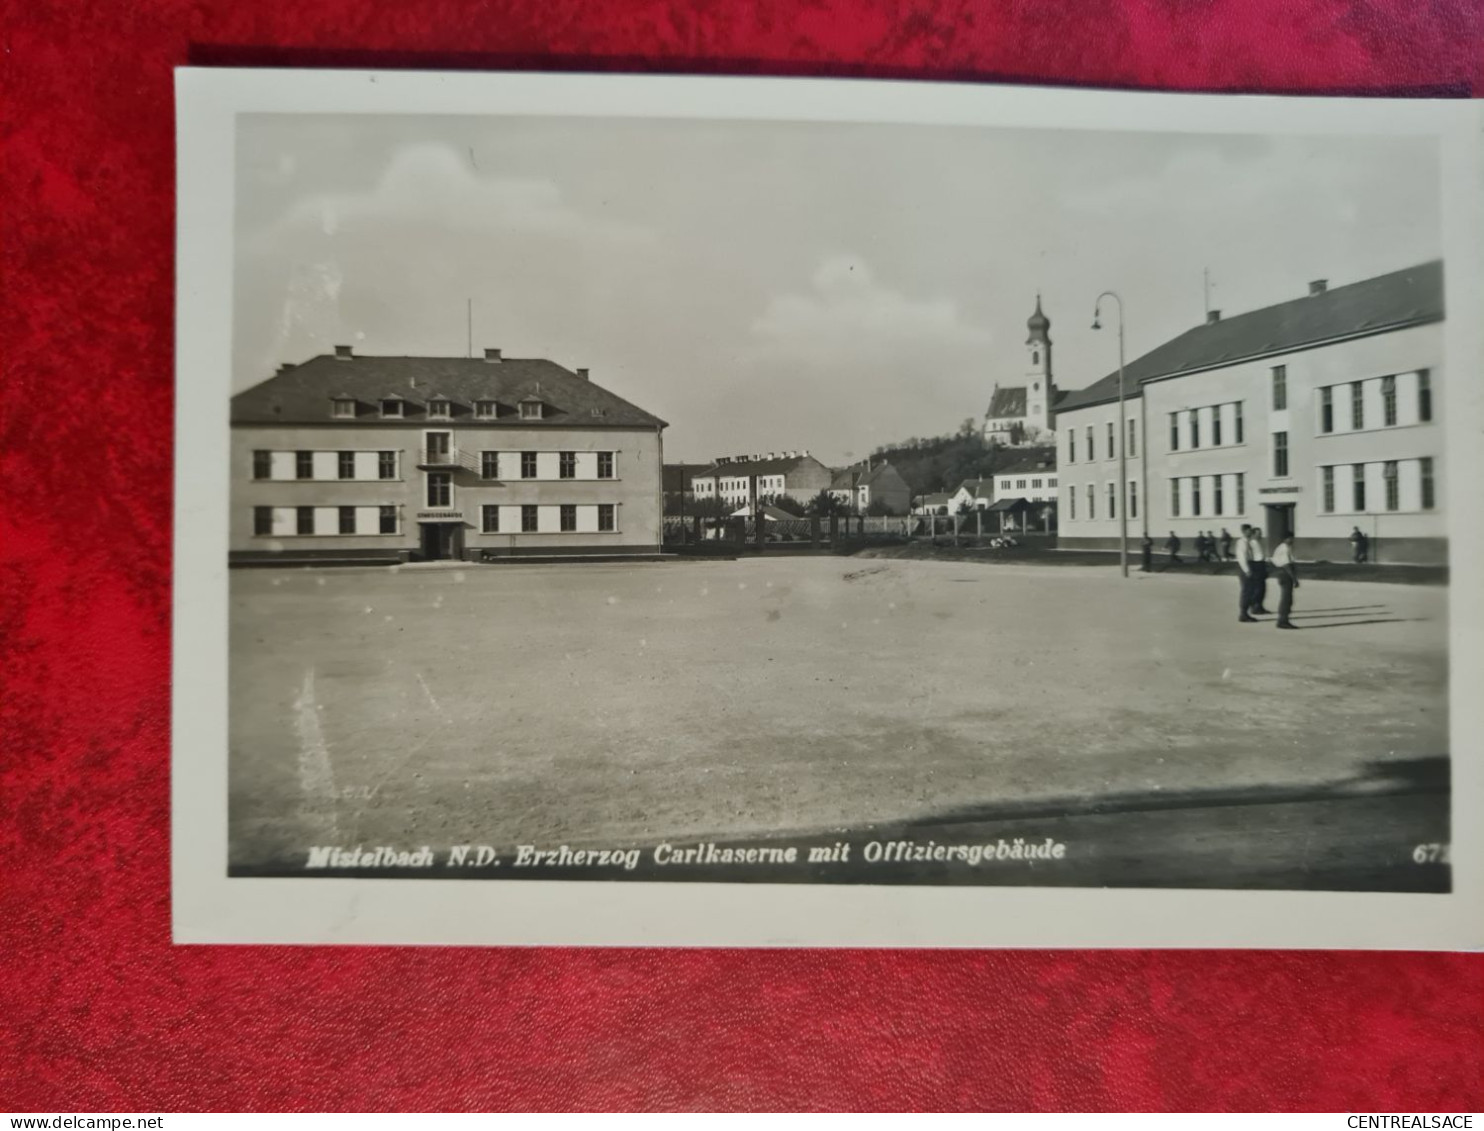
1213	316
491	354
343	353
582	373
285	366
1318	286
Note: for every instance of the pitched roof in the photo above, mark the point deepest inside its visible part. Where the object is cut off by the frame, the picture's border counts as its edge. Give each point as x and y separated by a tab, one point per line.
1006	401
858	475
1401	298
301	394
978	488
778	465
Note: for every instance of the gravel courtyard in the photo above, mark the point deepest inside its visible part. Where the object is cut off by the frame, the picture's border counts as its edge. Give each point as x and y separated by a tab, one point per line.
626	703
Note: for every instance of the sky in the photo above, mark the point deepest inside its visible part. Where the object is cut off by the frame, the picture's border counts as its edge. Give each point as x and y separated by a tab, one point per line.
770	286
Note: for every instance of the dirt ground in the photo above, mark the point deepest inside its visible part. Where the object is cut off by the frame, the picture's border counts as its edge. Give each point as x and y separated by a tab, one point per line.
625	703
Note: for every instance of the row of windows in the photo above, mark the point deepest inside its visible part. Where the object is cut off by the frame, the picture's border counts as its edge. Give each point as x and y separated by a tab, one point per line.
1020	484
282	521
439	408
1413	479
565	518
1110	442
1211	426
1208	494
386	465
1110	493
569	519
1354	397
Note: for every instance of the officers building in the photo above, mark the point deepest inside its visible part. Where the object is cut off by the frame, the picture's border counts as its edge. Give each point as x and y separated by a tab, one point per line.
355	458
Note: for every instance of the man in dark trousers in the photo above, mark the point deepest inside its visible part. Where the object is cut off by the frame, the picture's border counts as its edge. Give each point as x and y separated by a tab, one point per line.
1361	545
1259	560
1147	551
1244	576
1287	570
1172	547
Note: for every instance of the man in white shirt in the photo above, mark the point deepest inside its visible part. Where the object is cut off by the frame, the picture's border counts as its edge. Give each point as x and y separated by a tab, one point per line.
1244	574
1287	570
1259	562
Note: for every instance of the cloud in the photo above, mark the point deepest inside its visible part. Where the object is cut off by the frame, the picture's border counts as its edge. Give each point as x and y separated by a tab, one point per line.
436	186
846	313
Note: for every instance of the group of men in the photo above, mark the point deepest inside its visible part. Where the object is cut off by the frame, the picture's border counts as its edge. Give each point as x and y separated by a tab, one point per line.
1253	569
1254	566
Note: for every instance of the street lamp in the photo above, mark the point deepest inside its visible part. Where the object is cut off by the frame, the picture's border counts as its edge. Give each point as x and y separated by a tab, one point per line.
1122	493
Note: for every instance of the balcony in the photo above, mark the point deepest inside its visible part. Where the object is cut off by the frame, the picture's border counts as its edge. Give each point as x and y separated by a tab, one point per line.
447	457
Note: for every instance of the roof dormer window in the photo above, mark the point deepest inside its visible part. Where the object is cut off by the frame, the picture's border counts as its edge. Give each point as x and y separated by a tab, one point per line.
344	407
393	408
486	410
439	408
532	409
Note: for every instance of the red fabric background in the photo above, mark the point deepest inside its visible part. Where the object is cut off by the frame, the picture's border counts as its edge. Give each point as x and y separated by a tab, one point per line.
98	1011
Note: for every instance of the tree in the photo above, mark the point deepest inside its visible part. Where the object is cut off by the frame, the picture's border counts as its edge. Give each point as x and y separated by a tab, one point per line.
878	507
826	503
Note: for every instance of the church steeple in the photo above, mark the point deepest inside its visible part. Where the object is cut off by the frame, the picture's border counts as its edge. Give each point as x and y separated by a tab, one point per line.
1039	389
1039	325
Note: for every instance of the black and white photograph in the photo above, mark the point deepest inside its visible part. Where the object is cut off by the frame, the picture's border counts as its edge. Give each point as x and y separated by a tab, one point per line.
826	504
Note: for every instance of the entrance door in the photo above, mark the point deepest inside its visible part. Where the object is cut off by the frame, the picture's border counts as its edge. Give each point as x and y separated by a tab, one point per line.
441	540
1279	523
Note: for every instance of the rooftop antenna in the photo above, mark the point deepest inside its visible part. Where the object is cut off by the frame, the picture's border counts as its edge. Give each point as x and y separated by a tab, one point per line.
469	322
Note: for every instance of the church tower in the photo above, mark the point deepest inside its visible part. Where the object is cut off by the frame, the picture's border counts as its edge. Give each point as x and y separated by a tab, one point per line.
1039	389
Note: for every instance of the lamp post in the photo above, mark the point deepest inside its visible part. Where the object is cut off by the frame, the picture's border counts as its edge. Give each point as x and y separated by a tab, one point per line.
1122	493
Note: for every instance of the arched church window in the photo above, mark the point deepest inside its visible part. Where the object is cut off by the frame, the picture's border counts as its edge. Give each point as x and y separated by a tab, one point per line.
1035	357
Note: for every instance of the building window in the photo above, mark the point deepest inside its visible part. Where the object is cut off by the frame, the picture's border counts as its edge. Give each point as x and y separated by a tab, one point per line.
262	465
1174	498
1328	482
1216	426
347	520
528	465
1071	446
386	465
1195	496
1110	440
1174	431
1195	428
490	513
530	410
344	407
439	410
569	518
262	521
1238	437
1280	455
1424	395
1357	405
304	520
1020	484
303	465
1388	401
489	465
391	407
1092	503
1428	497
1071	502
1218	500
440	489
1035	484
1359	495
1133	498
1112	500
1133	442
1241	493
1326	410
528	519
388	520
1280	388
606	517
1092	452
1051	482
605	465
486	410
567	465
1393	488
346	464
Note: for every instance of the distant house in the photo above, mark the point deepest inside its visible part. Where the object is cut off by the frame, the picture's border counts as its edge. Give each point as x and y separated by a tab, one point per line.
932	504
872	482
1032	479
796	475
975	494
